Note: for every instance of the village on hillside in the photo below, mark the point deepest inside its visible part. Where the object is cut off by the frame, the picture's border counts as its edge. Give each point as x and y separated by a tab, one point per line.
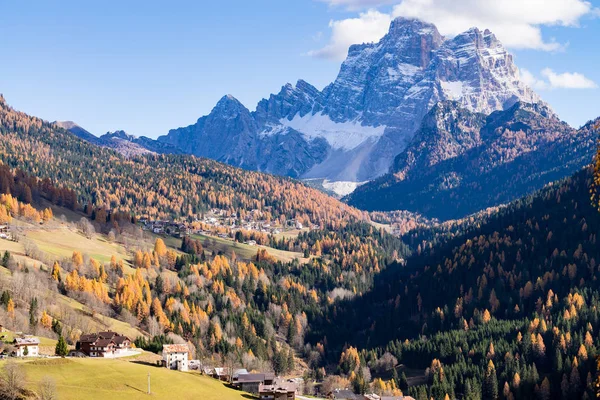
225	224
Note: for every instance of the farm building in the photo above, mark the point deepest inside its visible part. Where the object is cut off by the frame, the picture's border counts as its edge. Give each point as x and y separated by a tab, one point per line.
251	383
175	356
103	344
27	347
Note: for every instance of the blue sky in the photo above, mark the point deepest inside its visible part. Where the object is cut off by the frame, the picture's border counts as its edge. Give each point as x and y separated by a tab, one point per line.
147	67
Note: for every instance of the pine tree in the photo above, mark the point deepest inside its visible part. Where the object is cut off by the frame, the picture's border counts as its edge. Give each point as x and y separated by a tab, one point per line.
5	259
280	363
359	383
56	327
490	383
403	384
5	298
558	361
61	349
33	305
290	360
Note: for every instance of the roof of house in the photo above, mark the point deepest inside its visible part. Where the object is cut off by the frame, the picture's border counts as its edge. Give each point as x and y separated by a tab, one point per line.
103	342
107	334
175	348
96	338
397	398
345	394
88	337
279	387
30	341
121	339
255	378
239	372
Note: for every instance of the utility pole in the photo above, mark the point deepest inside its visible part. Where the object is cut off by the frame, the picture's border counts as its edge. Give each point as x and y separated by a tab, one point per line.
149	383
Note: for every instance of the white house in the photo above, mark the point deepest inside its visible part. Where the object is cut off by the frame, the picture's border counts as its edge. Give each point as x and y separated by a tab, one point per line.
4	232
175	356
27	347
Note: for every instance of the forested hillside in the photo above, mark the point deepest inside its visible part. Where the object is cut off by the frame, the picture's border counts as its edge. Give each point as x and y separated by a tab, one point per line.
153	186
253	313
509	309
231	311
461	162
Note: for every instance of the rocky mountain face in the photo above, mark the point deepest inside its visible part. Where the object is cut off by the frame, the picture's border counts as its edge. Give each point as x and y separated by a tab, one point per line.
460	162
353	129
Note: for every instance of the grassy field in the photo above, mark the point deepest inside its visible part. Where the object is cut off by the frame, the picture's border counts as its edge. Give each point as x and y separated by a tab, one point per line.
61	242
244	251
119	379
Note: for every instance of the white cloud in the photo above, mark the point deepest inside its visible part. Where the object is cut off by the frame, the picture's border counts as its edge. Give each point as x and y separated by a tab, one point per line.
568	80
517	23
531	81
368	27
554	80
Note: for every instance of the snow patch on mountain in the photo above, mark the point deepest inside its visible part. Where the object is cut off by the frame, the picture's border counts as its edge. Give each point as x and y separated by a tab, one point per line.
342	188
340	135
403	72
454	90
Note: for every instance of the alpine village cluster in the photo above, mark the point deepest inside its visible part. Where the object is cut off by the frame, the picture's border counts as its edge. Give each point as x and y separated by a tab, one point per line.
464	265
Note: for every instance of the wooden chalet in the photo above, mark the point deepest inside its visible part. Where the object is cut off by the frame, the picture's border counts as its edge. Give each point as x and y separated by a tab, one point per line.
103	344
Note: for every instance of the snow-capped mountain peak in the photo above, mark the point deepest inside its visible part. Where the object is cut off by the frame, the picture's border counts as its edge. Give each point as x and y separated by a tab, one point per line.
354	128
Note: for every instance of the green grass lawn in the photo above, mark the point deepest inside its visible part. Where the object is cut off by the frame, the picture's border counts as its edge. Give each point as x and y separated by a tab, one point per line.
118	379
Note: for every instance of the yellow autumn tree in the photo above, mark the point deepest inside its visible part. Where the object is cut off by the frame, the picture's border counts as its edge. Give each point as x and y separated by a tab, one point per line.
56	271
46	320
77	259
349	360
10	309
486	317
5	217
160	248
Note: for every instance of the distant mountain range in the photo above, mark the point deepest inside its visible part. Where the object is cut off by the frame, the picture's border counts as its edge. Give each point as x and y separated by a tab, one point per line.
420	117
124	143
354	128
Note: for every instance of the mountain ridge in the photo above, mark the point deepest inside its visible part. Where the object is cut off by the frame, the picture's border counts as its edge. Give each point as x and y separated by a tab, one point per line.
353	129
482	161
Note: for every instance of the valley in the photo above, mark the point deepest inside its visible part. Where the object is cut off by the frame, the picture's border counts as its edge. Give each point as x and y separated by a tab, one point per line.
422	227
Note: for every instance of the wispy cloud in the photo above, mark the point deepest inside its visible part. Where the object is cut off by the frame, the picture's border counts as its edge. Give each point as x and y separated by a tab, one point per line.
369	26
553	80
517	23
